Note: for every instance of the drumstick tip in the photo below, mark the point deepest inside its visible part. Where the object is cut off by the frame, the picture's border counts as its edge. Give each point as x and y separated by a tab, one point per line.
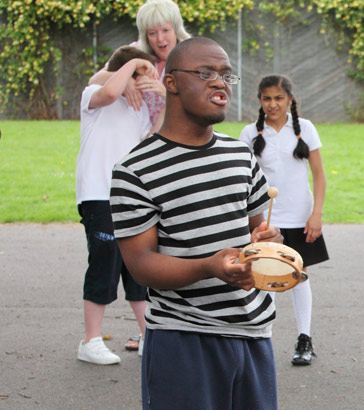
272	192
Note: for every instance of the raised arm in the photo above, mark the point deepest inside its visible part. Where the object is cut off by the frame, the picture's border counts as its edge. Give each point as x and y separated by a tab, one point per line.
134	96
117	83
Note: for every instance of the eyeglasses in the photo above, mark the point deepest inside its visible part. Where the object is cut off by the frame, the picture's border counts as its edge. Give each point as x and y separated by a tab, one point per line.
209	75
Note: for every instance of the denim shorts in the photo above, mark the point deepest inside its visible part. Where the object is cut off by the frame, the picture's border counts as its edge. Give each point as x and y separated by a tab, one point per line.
105	264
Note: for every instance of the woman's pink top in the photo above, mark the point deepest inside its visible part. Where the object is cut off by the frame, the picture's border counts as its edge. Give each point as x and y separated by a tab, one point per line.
154	102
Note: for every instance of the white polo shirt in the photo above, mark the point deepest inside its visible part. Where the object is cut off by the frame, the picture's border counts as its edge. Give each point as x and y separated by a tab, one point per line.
293	205
107	135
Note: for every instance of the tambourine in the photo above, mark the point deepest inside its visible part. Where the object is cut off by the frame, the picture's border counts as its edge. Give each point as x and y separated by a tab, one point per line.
275	267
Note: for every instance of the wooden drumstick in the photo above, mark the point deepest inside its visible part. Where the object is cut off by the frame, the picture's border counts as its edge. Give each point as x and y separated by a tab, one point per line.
272	192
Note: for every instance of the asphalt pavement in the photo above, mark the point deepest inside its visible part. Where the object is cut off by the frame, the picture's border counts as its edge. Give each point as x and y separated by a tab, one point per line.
41	325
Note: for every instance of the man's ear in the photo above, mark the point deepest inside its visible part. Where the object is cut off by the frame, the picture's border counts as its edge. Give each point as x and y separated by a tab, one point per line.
170	83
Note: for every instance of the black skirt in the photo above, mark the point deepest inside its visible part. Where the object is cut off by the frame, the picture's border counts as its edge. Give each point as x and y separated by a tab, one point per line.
311	253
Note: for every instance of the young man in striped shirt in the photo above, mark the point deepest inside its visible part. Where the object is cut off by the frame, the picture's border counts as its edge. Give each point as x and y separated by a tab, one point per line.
184	202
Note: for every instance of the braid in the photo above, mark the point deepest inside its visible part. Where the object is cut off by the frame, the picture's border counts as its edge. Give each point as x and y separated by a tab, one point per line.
296	123
259	142
301	151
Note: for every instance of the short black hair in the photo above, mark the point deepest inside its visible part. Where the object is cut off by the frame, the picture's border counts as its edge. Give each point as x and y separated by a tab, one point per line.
176	54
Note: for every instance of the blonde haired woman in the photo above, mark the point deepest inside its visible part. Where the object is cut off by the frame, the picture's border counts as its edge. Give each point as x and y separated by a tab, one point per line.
160	28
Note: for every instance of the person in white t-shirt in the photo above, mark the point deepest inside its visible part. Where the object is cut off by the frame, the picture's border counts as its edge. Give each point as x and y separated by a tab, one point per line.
284	146
109	130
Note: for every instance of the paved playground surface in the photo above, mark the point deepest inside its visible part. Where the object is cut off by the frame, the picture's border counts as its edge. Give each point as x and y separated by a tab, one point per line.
41	324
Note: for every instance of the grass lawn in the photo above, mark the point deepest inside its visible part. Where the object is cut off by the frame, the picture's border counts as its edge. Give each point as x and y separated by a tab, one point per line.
37	168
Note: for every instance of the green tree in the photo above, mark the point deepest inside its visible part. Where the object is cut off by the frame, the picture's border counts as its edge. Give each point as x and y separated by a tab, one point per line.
27	48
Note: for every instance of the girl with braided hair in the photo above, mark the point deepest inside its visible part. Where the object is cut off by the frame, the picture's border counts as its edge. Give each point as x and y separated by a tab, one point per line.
286	146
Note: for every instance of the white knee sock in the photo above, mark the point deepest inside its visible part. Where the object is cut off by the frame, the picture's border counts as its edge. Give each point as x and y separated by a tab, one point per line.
302	302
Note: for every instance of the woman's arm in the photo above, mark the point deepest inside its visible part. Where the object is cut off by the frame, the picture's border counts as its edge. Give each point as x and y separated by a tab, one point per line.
134	96
100	77
159	121
147	85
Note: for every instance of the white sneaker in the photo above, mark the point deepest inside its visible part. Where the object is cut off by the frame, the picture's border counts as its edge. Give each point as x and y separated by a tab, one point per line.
140	348
96	352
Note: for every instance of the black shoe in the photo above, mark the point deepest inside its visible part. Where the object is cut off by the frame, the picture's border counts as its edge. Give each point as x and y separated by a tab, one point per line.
303	351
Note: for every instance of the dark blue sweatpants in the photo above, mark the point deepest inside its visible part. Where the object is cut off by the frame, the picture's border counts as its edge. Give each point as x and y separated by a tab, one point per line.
188	371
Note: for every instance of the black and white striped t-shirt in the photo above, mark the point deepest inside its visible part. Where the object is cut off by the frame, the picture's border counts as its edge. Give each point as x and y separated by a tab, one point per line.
200	199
